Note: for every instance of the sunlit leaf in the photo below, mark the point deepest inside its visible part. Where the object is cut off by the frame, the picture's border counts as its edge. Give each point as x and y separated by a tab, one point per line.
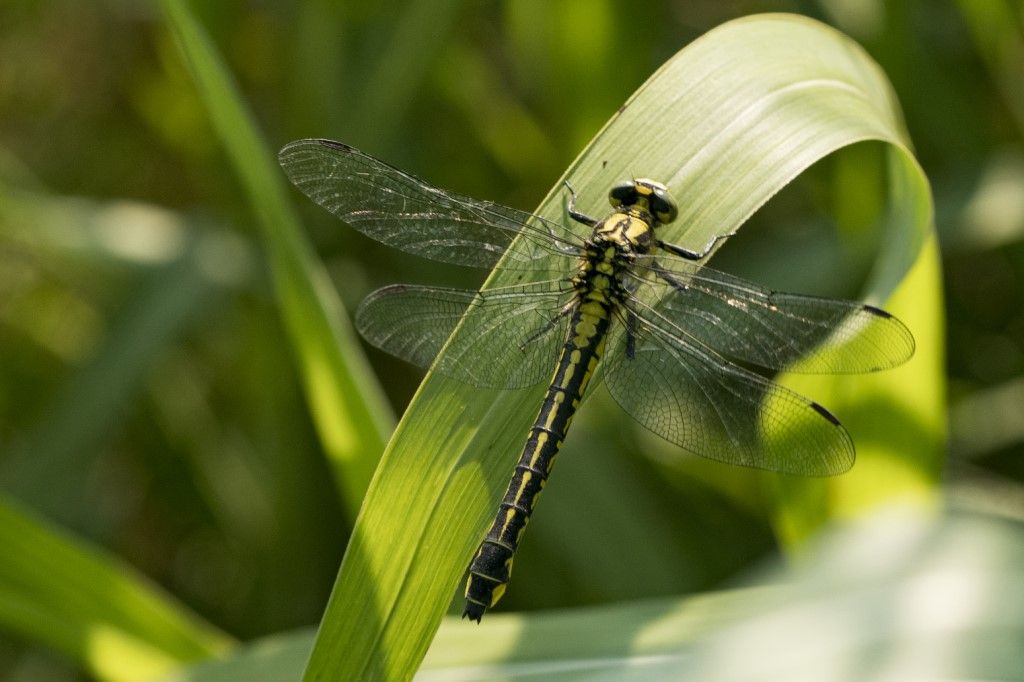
924	608
92	607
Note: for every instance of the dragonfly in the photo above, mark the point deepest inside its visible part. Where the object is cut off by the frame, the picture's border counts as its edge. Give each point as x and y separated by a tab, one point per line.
685	350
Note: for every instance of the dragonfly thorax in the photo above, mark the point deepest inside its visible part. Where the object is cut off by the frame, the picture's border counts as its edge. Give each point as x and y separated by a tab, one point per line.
602	266
628	230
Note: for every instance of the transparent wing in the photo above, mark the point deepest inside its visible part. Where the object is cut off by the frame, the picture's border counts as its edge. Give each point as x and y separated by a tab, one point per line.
747	322
509	336
698	400
407	213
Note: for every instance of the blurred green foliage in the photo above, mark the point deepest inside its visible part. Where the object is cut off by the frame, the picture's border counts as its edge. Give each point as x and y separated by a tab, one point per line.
150	400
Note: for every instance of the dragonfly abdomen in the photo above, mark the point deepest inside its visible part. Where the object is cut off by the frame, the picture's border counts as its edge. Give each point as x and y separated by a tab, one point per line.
492	565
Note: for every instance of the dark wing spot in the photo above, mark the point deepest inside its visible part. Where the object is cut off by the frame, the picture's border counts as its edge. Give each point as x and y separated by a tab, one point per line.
340	146
877	311
824	413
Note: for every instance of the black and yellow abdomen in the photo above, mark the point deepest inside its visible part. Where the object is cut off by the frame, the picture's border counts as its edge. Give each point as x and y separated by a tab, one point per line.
597	288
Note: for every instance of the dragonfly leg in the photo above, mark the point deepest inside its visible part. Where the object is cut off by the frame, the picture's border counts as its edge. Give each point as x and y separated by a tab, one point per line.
631	334
694	255
570	208
669	277
549	325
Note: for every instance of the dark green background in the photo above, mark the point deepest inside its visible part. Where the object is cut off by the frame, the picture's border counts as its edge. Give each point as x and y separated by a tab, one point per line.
199	464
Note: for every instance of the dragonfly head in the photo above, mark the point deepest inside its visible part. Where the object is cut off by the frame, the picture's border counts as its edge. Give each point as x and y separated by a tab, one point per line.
648	195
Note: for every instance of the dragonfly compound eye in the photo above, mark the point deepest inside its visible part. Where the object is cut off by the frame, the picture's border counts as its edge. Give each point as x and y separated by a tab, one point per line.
663	206
623	194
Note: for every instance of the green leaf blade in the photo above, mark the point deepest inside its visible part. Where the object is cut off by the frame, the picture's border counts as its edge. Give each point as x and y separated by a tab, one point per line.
93	608
349	409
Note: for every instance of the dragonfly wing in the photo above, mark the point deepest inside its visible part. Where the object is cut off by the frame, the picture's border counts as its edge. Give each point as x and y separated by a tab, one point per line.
701	402
773	330
402	211
508	337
